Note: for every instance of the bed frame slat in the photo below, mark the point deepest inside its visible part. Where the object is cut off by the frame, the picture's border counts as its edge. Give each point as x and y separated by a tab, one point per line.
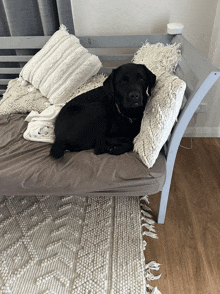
23	42
4	81
124	57
123	41
10	70
18	58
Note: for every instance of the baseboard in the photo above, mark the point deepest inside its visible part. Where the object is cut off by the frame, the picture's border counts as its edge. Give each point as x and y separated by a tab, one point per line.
202	132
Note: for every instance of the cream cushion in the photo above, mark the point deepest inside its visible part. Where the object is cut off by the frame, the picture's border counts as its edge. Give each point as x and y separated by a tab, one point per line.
22	99
19	99
93	83
165	102
60	67
158	57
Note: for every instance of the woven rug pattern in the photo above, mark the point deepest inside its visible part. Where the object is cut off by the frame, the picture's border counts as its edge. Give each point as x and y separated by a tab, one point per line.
66	244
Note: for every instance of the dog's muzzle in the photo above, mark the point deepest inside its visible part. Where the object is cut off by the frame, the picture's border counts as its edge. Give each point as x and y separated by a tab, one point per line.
135	99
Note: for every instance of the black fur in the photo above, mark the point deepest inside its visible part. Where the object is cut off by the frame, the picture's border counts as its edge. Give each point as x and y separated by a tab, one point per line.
107	118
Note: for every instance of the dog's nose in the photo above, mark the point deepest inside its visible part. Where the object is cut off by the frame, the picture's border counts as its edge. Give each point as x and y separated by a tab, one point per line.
135	95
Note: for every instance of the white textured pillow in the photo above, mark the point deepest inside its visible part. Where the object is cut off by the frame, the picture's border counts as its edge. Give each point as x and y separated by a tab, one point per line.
21	99
165	102
159	117
93	83
60	67
18	99
158	58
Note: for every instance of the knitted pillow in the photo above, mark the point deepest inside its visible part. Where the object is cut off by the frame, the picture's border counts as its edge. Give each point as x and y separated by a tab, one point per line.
159	117
165	102
60	67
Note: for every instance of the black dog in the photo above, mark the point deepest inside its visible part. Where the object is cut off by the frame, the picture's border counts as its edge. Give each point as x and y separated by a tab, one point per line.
107	118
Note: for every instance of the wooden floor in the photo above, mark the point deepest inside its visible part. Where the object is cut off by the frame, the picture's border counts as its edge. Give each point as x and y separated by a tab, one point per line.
189	242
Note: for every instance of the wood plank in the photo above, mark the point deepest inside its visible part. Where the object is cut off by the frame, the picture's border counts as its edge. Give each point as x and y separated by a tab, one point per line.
25	58
17	58
120	57
189	242
111	51
23	42
103	58
200	65
4	81
125	41
106	70
10	70
35	42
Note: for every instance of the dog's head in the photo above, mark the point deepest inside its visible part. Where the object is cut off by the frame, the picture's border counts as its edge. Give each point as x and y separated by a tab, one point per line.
130	85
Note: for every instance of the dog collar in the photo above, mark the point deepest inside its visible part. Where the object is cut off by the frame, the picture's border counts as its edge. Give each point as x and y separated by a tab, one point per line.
130	119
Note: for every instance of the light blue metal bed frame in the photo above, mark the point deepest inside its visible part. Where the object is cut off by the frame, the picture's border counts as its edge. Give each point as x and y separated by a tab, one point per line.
195	69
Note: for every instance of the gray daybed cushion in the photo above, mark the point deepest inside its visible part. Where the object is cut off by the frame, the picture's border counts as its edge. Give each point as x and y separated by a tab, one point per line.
27	169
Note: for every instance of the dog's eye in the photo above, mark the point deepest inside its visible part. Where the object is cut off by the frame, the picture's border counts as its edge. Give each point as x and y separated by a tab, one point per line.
124	80
141	78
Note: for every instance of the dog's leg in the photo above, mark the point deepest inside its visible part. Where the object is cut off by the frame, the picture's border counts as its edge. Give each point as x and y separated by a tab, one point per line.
57	149
119	145
100	144
120	149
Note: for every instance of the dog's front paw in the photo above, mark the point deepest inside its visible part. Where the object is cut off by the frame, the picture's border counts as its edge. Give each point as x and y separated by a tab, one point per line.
116	150
120	148
57	150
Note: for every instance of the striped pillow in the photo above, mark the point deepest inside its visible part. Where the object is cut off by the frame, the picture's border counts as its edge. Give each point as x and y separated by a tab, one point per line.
60	67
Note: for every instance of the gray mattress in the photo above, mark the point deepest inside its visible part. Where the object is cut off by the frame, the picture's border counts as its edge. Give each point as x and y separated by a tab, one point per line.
27	169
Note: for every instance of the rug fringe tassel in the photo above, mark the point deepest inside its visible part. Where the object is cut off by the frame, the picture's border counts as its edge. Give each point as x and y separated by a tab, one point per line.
145	207
145	198
151	277
148	223
149	227
152	290
152	266
149	234
146	213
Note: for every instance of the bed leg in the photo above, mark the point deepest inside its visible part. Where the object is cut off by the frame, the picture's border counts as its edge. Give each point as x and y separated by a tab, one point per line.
163	203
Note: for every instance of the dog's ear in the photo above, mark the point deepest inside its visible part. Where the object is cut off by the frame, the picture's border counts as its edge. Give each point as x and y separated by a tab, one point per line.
109	83
151	80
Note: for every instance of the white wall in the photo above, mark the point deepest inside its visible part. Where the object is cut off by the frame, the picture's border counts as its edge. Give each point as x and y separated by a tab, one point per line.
201	19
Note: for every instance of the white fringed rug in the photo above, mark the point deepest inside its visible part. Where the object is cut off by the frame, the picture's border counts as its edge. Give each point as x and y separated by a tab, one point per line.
77	245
